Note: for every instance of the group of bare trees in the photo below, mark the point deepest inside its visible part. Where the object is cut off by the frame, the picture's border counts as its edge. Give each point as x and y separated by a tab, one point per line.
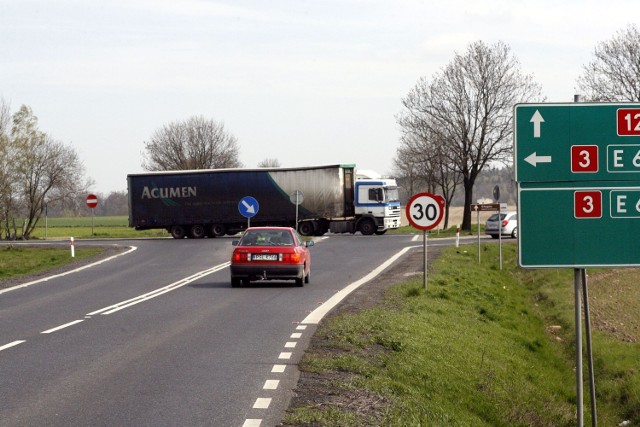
35	169
460	121
195	143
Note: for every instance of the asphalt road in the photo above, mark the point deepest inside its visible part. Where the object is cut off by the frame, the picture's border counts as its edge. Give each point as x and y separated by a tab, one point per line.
157	336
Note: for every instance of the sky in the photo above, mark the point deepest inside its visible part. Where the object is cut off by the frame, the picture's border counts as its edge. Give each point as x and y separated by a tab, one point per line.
304	82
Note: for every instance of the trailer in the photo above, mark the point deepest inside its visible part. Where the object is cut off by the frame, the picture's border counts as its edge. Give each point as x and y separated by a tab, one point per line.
201	203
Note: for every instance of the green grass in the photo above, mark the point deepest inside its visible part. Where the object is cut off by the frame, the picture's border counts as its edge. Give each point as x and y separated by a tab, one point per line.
103	227
449	232
19	260
475	349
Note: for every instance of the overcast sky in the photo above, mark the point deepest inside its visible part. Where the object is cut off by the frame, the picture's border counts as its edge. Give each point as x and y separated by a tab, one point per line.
304	82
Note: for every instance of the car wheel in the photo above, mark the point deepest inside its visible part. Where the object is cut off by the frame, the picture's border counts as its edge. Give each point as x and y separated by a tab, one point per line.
494	236
198	231
299	282
514	233
307	278
235	282
178	232
367	227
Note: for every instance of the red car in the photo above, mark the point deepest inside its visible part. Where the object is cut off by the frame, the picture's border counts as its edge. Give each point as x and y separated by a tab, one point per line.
270	253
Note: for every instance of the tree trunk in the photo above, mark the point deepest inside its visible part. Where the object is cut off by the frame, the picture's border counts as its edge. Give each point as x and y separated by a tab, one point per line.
468	200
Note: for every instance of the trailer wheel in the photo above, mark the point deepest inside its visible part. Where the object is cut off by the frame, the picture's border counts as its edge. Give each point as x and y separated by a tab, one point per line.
218	230
306	228
197	231
178	232
367	227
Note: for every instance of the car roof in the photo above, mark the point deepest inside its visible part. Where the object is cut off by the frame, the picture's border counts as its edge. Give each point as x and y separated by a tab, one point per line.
270	228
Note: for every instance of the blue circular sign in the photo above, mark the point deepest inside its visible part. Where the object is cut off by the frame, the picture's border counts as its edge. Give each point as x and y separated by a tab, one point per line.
248	207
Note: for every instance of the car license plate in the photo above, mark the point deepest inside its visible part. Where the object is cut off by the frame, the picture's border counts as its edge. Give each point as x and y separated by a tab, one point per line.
264	257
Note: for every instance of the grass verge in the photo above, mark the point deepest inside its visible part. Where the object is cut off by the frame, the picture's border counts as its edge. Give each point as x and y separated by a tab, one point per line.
20	260
481	347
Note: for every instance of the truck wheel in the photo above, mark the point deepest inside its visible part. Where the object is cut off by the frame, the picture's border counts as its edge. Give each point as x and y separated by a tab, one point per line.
306	228
218	230
380	233
367	227
178	232
198	231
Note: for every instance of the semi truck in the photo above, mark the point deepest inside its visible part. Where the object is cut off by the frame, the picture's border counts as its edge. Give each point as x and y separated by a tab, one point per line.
315	200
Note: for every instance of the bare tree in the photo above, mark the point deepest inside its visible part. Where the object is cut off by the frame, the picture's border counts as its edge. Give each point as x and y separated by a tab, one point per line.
468	110
41	170
614	73
269	163
196	143
6	172
430	167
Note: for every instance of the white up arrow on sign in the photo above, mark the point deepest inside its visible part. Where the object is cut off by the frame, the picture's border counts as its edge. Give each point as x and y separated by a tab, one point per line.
536	119
534	159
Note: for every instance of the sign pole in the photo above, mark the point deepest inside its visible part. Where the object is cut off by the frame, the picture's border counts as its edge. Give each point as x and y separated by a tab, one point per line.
578	318
587	327
499	236
424	212
424	261
478	212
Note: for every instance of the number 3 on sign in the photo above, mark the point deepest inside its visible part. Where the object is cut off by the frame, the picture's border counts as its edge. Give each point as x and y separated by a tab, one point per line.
425	211
587	204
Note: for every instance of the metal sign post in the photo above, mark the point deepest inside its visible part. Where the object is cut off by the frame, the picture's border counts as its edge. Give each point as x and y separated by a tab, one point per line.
582	160
424	212
92	202
296	198
248	207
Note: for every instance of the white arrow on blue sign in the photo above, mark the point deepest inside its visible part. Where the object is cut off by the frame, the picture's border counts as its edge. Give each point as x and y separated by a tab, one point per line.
248	207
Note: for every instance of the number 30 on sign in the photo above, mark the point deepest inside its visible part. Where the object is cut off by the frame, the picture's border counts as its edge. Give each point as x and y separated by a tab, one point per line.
424	210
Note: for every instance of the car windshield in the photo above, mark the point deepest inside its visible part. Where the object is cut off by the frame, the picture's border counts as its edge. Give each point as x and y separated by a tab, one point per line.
266	238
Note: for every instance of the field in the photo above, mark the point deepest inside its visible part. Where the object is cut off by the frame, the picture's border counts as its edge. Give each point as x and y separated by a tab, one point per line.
81	227
117	227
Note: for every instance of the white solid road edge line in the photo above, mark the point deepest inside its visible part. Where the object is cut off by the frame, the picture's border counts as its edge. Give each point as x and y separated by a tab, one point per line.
45	279
316	315
11	344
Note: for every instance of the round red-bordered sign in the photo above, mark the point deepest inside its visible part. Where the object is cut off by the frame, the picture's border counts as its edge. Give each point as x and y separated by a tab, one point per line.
425	210
92	201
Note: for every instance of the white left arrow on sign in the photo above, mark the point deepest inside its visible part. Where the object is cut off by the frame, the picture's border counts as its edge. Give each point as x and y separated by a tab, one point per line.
250	208
534	159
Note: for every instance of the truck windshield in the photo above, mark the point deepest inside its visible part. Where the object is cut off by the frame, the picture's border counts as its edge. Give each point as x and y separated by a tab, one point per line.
392	194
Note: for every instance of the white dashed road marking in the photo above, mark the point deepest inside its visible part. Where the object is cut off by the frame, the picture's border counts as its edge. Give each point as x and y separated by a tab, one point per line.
57	328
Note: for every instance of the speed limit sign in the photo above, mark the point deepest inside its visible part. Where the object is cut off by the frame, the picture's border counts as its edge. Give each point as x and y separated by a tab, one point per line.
425	211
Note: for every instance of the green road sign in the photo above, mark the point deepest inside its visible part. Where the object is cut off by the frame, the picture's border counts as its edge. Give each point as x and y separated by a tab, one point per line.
578	171
577	142
577	225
